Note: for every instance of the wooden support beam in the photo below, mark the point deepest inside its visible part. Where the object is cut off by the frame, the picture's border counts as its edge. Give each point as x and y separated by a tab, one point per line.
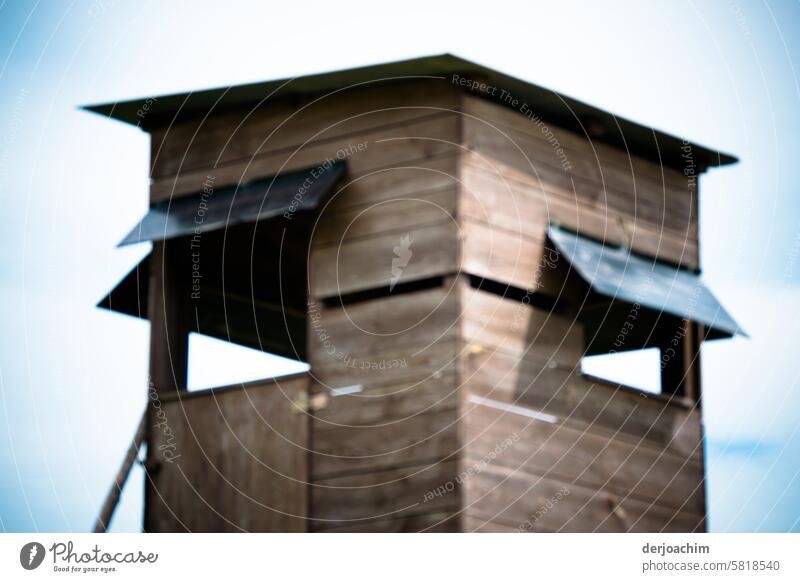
170	318
691	347
673	368
680	362
169	308
112	499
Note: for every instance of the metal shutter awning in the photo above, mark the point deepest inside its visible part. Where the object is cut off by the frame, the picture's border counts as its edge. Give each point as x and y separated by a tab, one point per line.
617	273
215	209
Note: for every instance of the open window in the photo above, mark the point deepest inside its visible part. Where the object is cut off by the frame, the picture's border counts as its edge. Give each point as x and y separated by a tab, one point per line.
639	369
234	264
643	319
214	363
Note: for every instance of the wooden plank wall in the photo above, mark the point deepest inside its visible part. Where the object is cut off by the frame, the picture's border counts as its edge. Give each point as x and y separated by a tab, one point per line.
432	364
382	458
374	454
288	135
547	449
401	143
630	461
515	182
229	460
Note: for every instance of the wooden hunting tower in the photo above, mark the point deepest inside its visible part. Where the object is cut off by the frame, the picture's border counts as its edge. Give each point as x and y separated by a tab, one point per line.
442	244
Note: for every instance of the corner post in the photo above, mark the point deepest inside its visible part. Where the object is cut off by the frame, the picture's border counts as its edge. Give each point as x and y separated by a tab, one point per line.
169	320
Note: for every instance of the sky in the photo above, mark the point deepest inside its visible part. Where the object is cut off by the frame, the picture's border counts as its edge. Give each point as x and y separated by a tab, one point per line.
72	184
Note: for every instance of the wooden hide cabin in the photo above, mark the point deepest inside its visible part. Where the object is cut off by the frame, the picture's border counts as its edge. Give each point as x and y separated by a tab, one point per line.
443	244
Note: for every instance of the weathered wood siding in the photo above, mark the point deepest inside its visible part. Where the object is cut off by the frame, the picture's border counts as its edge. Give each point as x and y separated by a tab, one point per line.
465	186
230	459
534	428
516	179
545	448
401	143
378	455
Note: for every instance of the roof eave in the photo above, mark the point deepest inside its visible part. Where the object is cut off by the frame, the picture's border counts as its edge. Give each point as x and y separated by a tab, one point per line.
150	112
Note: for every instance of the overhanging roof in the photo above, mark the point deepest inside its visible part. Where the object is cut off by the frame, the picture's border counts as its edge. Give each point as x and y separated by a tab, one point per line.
551	106
216	209
616	273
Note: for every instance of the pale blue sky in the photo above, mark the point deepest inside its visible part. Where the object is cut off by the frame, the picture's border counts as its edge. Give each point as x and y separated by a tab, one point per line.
72	378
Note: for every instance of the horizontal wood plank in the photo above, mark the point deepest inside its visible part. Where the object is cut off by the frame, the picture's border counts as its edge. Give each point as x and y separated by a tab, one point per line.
477	525
446	522
421	318
539	383
422	438
370	263
519	329
226	136
504	197
389	395
231	460
500	255
426	175
358	499
575	146
589	458
530	502
339	227
587	180
378	148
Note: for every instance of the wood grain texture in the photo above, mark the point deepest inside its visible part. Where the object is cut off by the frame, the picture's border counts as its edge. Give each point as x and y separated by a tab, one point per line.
400	215
589	158
423	438
536	503
590	458
392	455
360	330
426	383
500	255
382	147
367	263
519	329
426	175
473	524
446	522
229	136
357	500
375	453
561	390
506	198
231	460
588	181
